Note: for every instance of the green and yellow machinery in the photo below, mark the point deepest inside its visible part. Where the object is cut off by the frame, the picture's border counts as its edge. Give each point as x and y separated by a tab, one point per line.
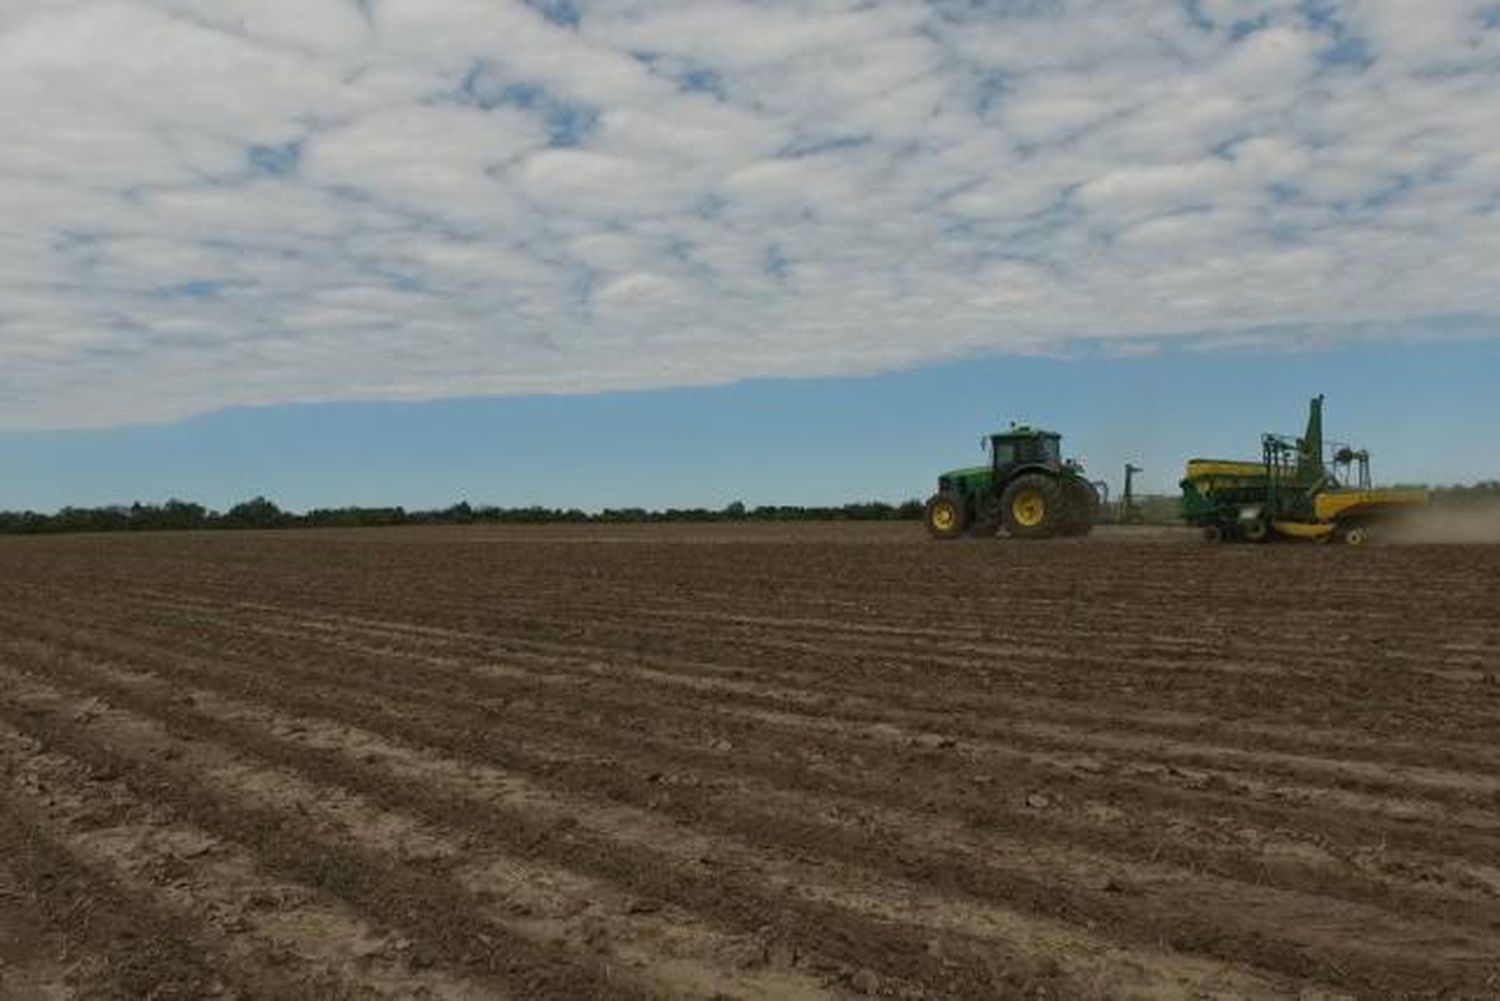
1301	489
1026	489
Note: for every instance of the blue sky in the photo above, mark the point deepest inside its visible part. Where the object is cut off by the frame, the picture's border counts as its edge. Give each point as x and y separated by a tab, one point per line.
1426	411
262	214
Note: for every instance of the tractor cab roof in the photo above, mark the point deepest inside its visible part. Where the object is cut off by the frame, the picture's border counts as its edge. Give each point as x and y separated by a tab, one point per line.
1025	431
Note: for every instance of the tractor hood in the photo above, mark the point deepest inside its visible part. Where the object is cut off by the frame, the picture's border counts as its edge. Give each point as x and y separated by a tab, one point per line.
965	479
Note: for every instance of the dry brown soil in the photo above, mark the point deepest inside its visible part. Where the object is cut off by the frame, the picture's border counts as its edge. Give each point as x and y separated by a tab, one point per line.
748	761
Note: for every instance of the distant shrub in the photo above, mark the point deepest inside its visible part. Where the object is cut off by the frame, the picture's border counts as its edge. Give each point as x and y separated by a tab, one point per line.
262	513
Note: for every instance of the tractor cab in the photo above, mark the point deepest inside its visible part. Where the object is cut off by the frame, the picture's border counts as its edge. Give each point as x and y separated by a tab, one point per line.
1024	446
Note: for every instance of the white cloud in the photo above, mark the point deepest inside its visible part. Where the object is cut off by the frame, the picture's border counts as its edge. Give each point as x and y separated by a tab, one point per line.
257	201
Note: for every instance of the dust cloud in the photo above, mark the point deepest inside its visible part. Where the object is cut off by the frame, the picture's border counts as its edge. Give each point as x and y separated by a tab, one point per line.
1451	526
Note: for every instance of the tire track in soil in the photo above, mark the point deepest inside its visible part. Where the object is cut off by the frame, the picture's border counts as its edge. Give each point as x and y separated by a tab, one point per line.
1449	904
966	968
554	900
1296	962
1289	869
1308	643
1018	658
1040	770
1377	777
859	701
273	936
1158	630
104	941
414	901
1158	975
1393	704
1171	756
32	962
917	830
1351	774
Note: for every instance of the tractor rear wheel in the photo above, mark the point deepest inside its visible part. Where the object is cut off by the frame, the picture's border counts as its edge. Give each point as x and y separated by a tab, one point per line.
945	516
1083	507
1033	507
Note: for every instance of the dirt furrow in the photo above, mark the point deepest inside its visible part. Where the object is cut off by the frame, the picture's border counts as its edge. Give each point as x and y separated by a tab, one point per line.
92	927
1368	869
1176	907
880	895
1407	790
938	836
545	904
966	967
1378	777
213	892
1453	765
1020	657
1302	643
416	902
492	698
698	760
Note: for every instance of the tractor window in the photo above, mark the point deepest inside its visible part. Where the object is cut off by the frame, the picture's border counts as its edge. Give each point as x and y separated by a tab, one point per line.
1040	449
1026	449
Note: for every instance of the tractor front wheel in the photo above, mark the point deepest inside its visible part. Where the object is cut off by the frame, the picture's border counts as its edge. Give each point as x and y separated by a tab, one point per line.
1033	507
945	516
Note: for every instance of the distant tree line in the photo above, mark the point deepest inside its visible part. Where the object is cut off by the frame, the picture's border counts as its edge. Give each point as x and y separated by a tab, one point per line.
260	513
1484	493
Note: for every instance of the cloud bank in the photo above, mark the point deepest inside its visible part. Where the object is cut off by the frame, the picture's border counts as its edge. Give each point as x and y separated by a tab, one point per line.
261	201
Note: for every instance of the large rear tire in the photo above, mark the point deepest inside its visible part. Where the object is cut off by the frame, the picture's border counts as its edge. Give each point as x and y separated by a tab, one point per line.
945	516
1033	507
1083	507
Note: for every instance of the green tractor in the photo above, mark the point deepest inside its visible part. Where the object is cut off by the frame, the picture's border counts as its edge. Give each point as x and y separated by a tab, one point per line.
1027	490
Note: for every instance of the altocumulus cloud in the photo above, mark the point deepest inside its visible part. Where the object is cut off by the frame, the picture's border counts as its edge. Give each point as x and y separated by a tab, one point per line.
255	201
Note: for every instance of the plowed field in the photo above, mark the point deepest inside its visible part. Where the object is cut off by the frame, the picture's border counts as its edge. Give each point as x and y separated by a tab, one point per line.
762	762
